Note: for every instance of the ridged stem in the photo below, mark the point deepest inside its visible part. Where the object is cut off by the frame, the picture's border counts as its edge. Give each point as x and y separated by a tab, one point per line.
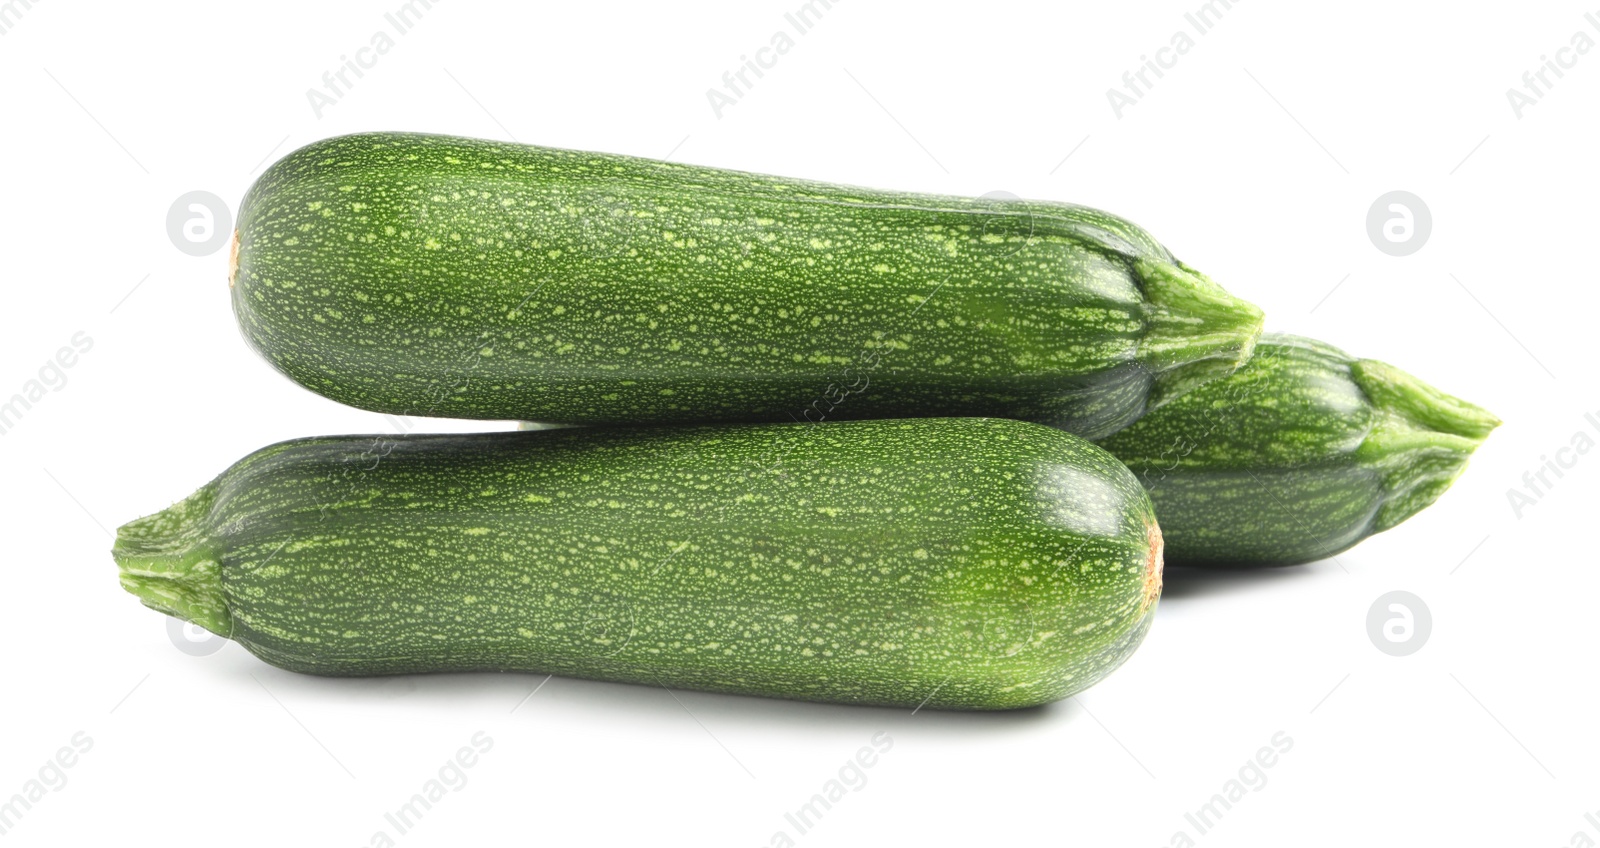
1421	441
169	562
1195	331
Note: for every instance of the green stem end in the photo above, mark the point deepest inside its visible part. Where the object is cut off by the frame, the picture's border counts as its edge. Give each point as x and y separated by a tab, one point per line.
1421	441
168	562
1195	331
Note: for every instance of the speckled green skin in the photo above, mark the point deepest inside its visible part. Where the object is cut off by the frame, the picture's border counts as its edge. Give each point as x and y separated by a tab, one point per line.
1299	455
968	563
430	275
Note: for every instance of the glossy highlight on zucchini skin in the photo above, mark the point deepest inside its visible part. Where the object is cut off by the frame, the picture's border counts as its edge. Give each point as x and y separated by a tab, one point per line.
431	275
1299	455
965	563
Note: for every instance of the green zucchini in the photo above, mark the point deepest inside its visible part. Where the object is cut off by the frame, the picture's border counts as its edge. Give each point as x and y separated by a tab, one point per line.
955	563
1300	454
439	276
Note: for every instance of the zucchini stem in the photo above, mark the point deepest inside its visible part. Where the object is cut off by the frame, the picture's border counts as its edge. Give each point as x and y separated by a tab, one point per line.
1421	439
168	562
1196	332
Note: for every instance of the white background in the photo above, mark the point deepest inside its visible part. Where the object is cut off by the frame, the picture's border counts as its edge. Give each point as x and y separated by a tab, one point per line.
1255	158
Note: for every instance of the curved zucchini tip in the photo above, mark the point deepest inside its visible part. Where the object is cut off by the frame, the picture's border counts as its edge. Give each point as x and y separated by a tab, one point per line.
168	561
1299	455
1421	440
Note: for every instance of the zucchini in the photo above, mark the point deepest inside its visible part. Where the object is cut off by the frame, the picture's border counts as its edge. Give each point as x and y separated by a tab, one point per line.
438	276
1299	455
960	563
